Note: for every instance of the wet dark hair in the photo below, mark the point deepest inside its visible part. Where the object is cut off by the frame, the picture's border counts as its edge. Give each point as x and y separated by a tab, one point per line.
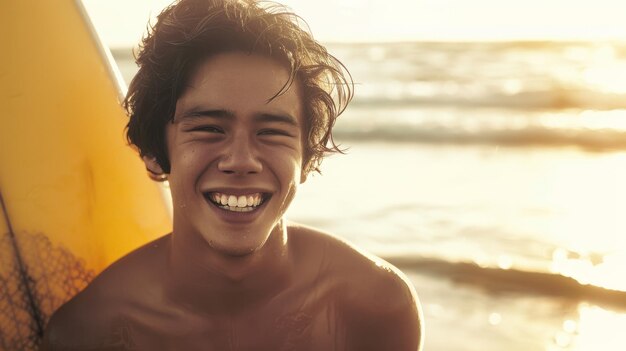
189	31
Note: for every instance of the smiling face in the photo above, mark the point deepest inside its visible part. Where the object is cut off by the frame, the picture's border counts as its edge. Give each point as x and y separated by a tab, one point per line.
236	157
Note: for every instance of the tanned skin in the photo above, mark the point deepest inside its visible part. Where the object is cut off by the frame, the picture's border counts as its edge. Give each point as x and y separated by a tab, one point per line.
225	280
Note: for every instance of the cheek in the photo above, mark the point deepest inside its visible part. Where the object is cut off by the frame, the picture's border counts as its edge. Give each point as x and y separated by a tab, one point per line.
293	165
185	171
286	166
292	177
187	160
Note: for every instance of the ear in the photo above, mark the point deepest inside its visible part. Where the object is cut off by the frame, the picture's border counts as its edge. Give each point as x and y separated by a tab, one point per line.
155	172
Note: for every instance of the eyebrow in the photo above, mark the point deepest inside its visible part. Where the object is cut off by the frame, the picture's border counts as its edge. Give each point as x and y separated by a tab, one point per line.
282	118
215	113
227	114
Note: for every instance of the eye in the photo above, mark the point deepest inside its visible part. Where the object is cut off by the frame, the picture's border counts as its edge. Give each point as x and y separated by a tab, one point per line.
207	128
271	132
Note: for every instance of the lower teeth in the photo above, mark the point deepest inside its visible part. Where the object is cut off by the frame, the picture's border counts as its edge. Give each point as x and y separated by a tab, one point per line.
237	209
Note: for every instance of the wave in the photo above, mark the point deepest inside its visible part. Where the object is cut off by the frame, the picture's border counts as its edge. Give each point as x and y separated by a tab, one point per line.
597	141
587	129
496	280
549	99
514	75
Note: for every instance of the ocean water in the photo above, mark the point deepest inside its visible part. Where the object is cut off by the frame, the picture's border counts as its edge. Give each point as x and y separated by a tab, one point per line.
494	176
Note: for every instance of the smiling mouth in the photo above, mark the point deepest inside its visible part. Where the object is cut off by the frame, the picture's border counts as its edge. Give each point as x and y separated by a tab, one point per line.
237	203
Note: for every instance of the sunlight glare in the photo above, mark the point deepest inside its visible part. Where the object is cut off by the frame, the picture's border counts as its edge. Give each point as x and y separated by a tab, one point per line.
505	262
570	326
609	78
614	119
596	206
495	318
600	329
610	273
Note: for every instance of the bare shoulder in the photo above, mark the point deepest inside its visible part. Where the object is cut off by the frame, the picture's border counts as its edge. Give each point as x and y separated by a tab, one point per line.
371	279
96	318
379	303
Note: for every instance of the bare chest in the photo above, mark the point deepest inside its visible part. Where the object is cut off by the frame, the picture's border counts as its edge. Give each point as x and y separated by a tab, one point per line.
277	328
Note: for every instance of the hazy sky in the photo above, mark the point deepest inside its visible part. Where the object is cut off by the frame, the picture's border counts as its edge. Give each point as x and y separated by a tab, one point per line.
122	22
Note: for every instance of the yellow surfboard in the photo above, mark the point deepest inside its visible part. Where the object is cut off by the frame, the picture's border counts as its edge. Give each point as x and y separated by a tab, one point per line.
73	196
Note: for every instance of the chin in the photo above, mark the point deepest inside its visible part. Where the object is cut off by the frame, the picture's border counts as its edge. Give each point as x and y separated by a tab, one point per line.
236	249
237	252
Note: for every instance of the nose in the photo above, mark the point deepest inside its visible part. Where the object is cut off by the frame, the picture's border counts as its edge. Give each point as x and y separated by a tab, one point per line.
240	158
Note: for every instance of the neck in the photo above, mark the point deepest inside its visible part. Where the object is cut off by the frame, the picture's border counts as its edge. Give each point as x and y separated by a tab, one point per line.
204	279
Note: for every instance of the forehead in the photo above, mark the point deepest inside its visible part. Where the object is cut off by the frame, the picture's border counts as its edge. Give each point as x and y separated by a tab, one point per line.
242	83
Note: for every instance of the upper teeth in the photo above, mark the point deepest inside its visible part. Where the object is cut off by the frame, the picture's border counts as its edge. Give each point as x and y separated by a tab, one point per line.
237	201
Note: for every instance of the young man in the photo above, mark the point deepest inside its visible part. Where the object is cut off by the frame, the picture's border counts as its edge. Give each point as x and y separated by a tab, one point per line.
234	105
